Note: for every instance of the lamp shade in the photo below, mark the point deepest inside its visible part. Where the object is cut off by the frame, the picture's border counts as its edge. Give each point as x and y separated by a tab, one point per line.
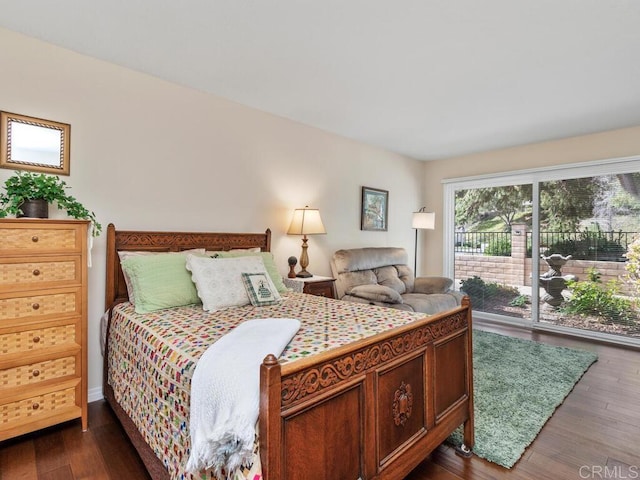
306	221
424	220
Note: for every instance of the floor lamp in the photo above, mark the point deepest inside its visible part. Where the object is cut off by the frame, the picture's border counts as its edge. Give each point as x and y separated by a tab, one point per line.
421	221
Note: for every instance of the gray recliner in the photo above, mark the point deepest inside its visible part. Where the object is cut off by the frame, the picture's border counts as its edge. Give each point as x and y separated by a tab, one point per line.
381	276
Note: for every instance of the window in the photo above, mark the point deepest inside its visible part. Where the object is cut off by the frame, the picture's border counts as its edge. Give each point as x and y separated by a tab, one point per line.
550	248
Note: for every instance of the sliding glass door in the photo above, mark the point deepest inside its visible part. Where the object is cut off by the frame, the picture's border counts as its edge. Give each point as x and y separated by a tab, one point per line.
490	258
587	227
556	249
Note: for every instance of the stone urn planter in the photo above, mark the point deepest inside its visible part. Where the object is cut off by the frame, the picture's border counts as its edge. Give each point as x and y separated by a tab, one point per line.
553	281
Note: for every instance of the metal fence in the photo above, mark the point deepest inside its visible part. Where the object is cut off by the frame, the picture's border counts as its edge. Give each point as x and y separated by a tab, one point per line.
476	243
583	245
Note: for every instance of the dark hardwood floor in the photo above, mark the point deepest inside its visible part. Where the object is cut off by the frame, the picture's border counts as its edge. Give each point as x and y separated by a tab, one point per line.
594	434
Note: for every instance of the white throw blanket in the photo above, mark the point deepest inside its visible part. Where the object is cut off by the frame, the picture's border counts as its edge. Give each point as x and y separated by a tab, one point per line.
225	393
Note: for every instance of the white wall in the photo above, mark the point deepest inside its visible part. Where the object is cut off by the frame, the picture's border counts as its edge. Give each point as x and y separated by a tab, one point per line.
147	154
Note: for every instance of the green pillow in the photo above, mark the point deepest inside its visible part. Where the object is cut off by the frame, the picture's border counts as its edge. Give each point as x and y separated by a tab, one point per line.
160	281
269	265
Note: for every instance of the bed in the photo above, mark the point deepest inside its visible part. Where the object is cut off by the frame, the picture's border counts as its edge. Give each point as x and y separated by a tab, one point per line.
367	407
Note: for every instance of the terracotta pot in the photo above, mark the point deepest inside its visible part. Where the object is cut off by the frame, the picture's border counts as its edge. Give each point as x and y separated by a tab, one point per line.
34	209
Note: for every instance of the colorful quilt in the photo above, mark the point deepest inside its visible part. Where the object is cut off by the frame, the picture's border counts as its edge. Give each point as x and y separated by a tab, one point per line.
152	358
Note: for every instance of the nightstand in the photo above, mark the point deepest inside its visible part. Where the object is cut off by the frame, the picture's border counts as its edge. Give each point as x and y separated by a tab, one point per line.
316	285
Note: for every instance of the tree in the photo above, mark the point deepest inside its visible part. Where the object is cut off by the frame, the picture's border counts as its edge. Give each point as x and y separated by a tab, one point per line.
631	183
564	203
504	202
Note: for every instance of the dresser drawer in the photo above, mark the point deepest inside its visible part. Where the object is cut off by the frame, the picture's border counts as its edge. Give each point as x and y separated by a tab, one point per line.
25	273
40	305
36	372
16	238
24	415
38	338
321	289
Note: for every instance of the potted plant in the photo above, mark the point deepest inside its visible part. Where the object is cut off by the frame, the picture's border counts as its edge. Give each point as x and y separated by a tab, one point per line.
22	189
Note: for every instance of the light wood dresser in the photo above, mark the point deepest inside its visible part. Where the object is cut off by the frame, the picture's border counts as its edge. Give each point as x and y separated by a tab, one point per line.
43	324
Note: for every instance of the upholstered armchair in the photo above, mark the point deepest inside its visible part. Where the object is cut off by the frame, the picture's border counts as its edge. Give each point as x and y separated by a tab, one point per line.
381	276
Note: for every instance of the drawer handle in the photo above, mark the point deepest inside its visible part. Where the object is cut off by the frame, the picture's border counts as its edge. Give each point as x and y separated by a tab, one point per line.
34	239
36	373
36	272
35	405
35	306
36	339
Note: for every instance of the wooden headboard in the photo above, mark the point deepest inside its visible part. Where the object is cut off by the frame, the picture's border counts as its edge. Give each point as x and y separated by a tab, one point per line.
116	289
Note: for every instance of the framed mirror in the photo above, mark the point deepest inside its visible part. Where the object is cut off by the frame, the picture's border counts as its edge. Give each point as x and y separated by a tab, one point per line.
29	143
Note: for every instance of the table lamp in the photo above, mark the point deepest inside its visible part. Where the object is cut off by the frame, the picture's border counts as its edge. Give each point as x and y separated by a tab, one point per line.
305	221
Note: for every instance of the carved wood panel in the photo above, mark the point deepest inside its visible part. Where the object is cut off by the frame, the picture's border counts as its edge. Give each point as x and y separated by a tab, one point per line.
401	405
318	378
181	241
337	426
450	372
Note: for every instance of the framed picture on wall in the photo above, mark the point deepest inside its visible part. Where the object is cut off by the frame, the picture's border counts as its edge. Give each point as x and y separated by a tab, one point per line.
375	209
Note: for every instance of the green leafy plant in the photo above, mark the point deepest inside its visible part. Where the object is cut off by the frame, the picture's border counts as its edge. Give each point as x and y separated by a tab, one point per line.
592	297
51	188
633	263
477	289
480	291
586	245
499	247
520	301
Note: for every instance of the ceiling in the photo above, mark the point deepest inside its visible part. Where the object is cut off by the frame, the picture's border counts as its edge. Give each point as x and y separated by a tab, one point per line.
424	78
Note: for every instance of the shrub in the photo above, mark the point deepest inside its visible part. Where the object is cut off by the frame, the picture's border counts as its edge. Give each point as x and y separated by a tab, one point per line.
633	263
480	291
592	297
520	301
587	245
477	288
499	247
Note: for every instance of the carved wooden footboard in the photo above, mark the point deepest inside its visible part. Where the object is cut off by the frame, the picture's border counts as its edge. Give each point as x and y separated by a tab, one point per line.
372	409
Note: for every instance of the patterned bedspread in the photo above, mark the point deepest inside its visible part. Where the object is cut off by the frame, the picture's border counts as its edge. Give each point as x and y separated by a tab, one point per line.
152	358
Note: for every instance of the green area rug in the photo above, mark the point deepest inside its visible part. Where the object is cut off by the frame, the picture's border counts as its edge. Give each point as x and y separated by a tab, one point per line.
518	384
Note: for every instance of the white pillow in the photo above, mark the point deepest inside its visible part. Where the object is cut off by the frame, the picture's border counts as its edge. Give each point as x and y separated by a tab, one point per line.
219	280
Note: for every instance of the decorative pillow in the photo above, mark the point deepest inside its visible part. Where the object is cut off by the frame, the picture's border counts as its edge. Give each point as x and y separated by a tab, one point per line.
159	281
124	254
219	280
260	289
269	264
376	293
